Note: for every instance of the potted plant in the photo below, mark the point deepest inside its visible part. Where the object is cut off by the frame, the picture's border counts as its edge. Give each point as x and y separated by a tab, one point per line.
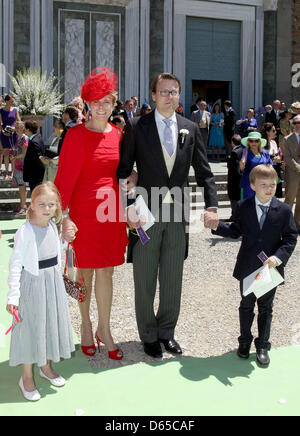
36	95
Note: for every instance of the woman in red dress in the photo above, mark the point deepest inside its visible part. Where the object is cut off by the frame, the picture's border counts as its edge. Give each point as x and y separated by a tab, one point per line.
88	185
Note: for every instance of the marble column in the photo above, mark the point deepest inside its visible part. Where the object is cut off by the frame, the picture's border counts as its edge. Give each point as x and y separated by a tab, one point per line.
144	51
35	33
8	40
2	66
47	52
168	35
270	51
132	49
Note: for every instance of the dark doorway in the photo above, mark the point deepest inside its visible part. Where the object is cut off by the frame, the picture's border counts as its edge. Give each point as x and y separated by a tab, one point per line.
211	90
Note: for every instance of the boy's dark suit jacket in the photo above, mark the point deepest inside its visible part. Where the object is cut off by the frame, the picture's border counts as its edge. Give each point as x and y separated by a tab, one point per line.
278	236
33	167
141	144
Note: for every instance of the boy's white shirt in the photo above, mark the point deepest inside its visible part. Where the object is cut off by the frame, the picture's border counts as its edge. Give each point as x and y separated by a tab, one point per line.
25	255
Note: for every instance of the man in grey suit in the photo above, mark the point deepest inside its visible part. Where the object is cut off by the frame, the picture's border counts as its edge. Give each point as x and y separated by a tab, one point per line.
203	118
291	153
164	145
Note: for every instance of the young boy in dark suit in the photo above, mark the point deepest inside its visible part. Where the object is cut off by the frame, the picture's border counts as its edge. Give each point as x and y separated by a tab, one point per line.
265	224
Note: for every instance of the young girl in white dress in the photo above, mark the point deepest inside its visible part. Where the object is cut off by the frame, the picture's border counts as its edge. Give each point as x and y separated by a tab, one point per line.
37	292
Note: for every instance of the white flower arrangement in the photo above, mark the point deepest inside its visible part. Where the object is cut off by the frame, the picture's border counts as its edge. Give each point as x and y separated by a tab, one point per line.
183	133
35	94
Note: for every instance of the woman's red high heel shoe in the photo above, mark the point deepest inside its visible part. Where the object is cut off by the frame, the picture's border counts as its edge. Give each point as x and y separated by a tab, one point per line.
89	350
114	354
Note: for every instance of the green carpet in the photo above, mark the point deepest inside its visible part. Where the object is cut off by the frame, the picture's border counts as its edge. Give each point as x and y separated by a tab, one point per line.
222	385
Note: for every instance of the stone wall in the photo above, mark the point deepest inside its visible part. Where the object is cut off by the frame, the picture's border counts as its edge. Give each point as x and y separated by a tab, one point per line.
156	39
21	34
284	51
270	54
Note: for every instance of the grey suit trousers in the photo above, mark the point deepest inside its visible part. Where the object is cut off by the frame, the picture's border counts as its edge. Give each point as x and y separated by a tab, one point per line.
162	257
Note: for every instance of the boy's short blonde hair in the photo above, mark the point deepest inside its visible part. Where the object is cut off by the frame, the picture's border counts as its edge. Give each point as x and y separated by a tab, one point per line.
262	172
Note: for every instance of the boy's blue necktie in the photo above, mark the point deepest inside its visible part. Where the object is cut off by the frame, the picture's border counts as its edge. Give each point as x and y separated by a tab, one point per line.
264	210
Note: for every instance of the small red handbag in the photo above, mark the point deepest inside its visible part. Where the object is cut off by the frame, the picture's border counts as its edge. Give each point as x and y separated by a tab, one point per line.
74	289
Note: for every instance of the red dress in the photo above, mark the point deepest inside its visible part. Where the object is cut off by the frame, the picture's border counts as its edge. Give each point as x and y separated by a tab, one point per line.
87	181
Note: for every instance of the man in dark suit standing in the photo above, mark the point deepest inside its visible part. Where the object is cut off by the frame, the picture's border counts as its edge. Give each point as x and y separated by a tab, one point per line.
164	145
129	107
229	116
34	169
291	153
274	117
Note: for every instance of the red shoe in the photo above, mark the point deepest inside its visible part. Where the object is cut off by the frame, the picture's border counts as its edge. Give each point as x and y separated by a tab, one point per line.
114	354
89	350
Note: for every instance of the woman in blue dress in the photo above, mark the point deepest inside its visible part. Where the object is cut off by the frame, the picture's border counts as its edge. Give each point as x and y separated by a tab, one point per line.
255	155
247	125
216	137
8	117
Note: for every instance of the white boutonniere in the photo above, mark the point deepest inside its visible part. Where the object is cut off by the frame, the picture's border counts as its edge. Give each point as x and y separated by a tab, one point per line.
183	133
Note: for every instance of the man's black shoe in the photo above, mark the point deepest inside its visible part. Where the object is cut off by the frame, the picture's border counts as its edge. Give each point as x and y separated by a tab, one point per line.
153	349
171	345
262	357
243	351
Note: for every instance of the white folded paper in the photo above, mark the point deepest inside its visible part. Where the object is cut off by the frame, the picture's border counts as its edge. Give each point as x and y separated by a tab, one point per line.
143	210
261	281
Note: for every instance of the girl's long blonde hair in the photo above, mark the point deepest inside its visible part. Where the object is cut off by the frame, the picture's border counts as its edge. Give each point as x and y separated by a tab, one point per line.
42	189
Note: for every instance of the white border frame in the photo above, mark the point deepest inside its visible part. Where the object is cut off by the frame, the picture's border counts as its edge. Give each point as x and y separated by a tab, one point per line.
249	93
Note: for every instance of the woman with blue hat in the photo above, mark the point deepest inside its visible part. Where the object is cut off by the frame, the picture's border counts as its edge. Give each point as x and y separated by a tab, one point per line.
253	155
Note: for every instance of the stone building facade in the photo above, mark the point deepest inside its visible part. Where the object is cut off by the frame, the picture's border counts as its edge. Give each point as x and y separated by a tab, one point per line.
246	50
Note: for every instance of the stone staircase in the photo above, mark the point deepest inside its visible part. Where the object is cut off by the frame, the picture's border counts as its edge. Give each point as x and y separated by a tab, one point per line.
9	196
9	199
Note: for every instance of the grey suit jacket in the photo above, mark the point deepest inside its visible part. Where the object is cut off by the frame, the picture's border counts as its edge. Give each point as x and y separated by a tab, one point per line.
291	152
196	117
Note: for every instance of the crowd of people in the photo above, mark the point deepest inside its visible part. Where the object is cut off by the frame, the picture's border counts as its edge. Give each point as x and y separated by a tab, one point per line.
218	125
97	165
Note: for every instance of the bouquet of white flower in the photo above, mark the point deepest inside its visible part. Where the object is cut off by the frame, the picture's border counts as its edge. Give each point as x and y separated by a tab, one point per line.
35	94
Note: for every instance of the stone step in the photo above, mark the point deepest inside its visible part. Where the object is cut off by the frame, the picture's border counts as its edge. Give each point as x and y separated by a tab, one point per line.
201	205
11	193
10	215
11	204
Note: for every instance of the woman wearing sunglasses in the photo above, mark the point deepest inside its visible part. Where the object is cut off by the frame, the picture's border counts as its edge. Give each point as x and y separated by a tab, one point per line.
255	155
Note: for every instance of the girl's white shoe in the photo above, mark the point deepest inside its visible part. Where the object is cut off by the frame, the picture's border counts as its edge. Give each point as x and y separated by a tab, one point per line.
30	396
58	382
